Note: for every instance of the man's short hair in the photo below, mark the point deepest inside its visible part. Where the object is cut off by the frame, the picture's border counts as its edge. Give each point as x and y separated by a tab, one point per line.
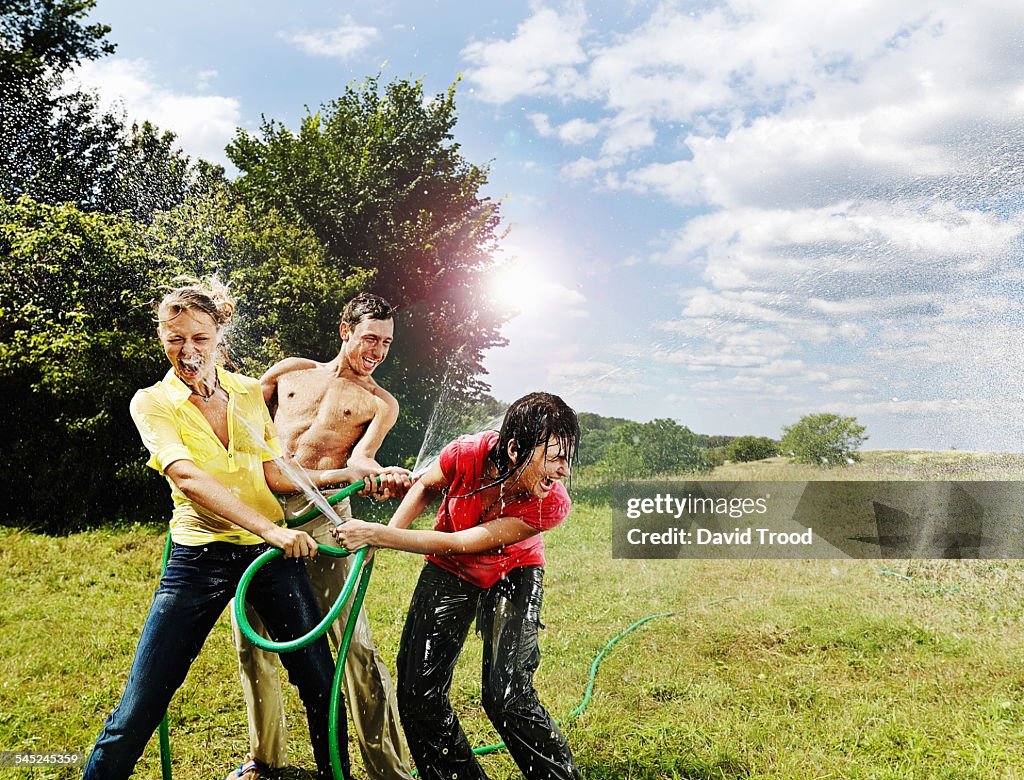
366	306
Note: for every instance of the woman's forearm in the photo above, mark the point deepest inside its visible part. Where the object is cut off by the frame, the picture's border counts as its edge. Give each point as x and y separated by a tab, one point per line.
488	536
201	488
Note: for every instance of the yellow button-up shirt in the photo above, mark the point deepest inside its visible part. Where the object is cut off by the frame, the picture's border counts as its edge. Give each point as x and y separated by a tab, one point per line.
173	429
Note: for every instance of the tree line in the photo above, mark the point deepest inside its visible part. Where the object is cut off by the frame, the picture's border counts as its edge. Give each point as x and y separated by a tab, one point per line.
613	448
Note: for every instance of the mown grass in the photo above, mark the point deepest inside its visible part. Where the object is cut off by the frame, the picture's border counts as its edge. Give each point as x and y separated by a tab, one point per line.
768	669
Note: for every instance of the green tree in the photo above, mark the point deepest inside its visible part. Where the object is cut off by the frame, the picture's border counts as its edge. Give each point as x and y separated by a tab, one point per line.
379	180
823	439
40	35
744	449
76	341
56	144
597	435
657	448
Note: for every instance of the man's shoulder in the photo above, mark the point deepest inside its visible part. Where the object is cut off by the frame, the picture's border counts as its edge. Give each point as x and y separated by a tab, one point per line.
287	366
384	397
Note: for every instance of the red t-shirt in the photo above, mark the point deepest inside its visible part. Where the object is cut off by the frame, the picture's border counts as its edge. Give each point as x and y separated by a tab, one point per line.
462	463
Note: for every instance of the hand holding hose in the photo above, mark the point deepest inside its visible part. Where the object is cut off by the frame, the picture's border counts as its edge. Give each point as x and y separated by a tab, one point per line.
353	535
293	543
391	482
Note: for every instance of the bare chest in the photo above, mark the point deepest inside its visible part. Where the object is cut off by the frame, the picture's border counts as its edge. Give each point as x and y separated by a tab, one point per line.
320	417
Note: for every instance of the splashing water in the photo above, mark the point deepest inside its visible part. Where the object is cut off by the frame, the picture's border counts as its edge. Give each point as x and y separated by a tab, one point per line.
295	472
451	418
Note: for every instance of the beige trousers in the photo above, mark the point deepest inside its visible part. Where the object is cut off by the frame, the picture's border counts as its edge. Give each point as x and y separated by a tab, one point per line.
368	687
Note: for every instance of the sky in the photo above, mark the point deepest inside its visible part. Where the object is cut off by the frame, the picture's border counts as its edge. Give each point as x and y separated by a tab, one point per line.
731	214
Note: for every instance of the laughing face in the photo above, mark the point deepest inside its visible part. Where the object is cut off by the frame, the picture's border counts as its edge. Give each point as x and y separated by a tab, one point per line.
366	344
548	464
189	340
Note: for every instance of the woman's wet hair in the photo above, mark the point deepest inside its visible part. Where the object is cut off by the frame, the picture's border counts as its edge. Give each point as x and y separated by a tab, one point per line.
366	306
210	296
533	420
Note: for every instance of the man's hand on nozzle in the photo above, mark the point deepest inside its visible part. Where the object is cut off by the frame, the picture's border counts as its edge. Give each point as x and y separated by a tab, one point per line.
390	482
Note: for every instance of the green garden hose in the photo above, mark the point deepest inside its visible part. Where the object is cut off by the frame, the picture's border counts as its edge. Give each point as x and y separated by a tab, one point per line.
312	636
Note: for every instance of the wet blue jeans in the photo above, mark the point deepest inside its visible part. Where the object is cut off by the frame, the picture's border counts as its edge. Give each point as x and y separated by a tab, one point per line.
508	618
196	586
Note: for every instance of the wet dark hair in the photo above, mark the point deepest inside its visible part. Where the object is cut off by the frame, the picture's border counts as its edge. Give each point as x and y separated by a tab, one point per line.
366	306
530	421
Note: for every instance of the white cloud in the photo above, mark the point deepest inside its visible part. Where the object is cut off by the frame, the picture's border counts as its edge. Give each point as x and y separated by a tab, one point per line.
574	132
204	124
537	60
341	42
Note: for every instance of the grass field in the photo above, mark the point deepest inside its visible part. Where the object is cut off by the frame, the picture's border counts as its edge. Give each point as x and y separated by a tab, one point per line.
768	669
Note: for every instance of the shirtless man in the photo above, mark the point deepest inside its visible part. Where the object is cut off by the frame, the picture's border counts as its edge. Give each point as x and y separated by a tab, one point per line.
332	413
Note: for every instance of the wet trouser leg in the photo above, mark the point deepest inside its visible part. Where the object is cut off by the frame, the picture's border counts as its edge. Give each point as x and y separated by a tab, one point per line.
509	621
439	618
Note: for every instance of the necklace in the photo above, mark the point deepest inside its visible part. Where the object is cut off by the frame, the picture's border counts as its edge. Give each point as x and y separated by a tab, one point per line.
206	398
491	506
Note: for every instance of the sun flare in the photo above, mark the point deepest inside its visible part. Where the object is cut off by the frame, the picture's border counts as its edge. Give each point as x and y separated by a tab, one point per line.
514	284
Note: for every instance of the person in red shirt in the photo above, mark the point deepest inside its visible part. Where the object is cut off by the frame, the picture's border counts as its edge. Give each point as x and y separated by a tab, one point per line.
484	559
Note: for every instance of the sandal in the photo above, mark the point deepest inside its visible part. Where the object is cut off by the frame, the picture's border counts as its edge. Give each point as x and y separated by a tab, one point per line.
251	769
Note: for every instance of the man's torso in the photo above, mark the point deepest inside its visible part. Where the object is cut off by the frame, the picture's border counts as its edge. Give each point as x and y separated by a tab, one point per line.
320	416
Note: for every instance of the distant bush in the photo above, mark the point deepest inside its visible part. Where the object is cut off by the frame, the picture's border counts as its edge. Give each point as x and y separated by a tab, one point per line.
744	449
716	456
823	439
656	448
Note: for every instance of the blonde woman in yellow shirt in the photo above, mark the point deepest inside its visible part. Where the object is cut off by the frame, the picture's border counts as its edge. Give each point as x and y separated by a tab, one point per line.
209	433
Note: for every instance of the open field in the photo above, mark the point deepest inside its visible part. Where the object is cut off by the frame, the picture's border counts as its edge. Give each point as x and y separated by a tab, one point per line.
768	669
887	464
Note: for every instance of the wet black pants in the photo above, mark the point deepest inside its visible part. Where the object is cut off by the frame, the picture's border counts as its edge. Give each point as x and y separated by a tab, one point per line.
508	617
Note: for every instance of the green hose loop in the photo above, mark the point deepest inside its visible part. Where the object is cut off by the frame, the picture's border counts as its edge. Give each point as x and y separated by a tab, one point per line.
321	627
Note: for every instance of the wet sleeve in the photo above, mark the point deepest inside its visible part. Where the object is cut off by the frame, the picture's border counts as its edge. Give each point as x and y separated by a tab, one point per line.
159	431
448	460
